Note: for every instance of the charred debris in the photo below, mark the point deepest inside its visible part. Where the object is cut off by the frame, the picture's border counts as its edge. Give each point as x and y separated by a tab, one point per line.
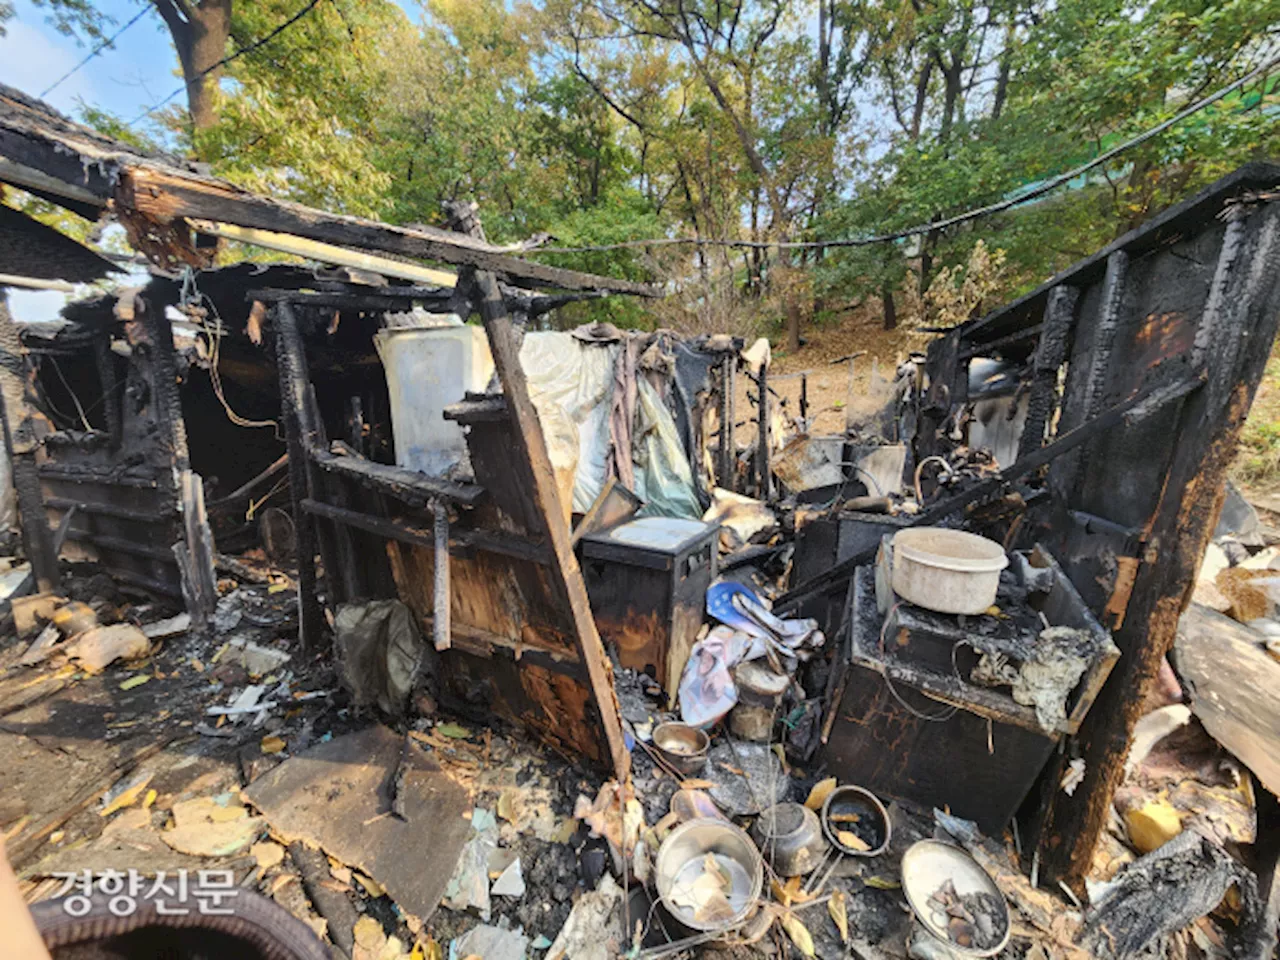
594	618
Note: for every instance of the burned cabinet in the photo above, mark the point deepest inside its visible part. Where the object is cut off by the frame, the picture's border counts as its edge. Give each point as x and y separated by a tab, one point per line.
647	582
924	712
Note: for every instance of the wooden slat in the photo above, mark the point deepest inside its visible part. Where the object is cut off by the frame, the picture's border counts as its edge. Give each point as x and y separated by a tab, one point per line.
564	570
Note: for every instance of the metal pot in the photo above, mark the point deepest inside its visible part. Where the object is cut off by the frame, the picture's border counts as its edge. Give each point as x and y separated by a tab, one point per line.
680	860
683	747
790	837
873	820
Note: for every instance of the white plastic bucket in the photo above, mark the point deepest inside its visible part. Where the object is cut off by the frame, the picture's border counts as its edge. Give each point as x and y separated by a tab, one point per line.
948	571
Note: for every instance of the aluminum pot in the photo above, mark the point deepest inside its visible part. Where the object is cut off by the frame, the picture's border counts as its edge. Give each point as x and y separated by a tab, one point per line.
680	861
790	837
683	747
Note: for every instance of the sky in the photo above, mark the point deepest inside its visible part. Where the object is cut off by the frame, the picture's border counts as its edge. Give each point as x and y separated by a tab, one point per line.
140	70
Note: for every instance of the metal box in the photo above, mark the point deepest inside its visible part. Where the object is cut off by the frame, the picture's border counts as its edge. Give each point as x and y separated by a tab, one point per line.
647	581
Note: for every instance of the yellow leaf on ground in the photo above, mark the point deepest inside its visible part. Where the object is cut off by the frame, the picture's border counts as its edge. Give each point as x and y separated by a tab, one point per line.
839	914
272	744
852	841
798	933
818	795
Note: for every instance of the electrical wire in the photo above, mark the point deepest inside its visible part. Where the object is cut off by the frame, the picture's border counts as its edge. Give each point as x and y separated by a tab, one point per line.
940	717
192	294
94	52
991	208
229	58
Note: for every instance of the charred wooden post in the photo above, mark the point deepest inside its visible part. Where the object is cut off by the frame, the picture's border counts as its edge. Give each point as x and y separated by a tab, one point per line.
945	370
763	466
19	433
1237	327
1051	353
727	467
194	551
564	571
291	363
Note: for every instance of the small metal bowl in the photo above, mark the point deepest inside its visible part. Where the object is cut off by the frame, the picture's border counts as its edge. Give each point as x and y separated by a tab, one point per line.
929	864
681	856
790	837
864	803
682	746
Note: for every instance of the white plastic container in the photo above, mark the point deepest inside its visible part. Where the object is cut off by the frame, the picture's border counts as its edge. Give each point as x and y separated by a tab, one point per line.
947	571
429	368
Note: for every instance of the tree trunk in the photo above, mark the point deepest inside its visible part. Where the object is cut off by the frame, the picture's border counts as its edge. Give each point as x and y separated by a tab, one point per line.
890	307
200	32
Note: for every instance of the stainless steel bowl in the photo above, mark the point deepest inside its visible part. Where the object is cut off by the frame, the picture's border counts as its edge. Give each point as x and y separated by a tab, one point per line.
875	820
680	859
928	865
790	837
682	746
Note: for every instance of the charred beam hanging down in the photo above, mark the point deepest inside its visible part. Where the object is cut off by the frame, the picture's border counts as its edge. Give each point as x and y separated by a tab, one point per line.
1051	353
291	363
1207	430
564	572
19	433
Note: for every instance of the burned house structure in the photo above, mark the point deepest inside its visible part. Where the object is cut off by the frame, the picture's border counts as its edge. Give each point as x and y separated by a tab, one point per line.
497	518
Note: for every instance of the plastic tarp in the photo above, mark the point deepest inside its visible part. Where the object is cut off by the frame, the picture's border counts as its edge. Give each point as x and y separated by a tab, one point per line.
571	383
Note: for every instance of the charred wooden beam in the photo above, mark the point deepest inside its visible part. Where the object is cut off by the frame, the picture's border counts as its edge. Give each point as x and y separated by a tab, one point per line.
378	300
104	359
409	486
163	513
1051	353
166	195
565	574
291	362
763	465
1188	499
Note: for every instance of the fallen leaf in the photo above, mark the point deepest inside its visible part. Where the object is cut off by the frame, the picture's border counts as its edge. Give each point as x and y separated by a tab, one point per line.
127	797
818	795
371	886
798	933
267	854
137	681
839	915
149	799
369	935
852	841
844	818
453	731
697	784
272	744
882	883
506	805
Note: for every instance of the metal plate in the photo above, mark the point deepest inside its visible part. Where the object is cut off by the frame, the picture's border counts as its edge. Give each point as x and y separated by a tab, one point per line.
930	863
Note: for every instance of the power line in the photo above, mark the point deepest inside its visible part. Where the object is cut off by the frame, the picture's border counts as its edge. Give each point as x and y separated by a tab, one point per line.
96	50
230	58
1000	206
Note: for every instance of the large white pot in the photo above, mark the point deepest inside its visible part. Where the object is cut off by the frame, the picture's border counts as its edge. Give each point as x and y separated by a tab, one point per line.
948	571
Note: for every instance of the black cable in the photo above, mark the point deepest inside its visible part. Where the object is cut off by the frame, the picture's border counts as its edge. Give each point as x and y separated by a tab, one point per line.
989	209
96	50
